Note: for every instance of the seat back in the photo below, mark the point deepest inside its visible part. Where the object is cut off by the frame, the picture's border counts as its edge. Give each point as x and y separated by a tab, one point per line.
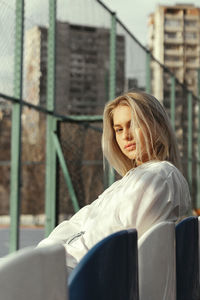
199	246
187	263
108	270
156	262
34	274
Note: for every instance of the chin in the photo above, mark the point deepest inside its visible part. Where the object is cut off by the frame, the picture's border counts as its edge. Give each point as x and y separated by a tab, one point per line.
131	156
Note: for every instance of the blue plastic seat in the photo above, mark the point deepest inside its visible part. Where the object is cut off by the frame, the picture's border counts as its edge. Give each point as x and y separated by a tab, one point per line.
187	261
108	271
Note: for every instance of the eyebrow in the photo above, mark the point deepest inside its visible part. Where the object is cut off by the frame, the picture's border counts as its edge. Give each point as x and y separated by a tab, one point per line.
119	125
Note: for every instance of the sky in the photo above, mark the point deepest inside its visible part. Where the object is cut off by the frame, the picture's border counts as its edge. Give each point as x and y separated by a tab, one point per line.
134	13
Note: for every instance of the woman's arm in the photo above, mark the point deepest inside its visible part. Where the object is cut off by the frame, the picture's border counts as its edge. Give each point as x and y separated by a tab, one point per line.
68	228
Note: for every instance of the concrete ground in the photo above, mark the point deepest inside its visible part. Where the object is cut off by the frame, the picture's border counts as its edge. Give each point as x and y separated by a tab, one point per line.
29	236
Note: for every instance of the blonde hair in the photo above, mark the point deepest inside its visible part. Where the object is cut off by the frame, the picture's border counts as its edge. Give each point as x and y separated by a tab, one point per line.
149	115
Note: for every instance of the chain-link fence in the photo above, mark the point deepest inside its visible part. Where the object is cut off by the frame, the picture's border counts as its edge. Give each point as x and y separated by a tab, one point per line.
82	60
81	145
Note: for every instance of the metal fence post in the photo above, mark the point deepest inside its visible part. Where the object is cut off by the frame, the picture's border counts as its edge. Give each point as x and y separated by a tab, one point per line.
50	188
173	99
198	143
16	130
112	80
189	96
66	173
148	72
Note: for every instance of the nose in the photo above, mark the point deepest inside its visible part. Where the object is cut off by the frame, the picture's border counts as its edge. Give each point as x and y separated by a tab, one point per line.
127	135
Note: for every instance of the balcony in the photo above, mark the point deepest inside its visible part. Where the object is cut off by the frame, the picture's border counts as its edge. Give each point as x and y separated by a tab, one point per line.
191	17
194	28
173	40
192	41
192	65
173	52
173	25
174	17
173	64
192	53
173	28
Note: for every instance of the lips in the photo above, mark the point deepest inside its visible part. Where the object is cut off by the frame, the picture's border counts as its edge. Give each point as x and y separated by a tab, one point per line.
130	147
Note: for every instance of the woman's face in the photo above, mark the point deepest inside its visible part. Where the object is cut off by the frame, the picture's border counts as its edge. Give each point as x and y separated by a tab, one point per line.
124	135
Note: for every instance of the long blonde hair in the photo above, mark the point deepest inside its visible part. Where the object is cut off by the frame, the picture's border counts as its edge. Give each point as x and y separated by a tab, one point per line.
148	115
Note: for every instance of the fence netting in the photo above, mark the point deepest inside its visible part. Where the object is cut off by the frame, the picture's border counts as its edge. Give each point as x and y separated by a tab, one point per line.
7	47
82	87
81	145
5	136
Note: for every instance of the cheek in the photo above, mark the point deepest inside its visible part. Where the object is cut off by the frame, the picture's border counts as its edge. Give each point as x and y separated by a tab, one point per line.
119	142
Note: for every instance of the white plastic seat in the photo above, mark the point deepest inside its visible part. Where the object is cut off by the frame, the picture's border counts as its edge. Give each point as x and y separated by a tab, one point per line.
34	274
199	247
156	259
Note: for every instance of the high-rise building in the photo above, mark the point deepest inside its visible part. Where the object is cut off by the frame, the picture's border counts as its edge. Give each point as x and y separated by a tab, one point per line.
82	67
174	40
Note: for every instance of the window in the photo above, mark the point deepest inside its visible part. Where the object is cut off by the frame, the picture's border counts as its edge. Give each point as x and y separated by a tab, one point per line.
190	23
191	59
172	23
172	58
190	35
172	47
170	35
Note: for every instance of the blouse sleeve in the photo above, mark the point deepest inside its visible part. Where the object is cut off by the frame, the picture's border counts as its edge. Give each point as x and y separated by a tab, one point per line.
67	228
154	198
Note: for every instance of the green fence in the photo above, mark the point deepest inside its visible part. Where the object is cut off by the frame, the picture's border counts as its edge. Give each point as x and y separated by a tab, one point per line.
60	62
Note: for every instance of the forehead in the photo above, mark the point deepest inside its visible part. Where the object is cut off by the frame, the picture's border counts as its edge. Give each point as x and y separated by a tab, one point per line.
121	115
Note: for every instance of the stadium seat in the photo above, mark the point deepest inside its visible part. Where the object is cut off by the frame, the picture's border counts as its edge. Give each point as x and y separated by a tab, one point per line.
108	271
34	274
156	263
187	259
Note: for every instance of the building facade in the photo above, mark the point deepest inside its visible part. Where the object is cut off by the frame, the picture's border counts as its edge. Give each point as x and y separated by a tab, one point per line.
82	67
174	40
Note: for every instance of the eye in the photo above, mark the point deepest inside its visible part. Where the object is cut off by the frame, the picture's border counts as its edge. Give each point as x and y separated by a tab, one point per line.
117	130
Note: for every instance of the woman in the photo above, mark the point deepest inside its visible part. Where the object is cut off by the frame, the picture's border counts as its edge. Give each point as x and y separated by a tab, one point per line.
139	143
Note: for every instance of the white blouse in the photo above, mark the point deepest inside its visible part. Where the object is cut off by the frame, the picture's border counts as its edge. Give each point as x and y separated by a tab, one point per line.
151	193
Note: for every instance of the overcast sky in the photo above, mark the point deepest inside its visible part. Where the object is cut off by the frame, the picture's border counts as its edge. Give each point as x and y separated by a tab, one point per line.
134	13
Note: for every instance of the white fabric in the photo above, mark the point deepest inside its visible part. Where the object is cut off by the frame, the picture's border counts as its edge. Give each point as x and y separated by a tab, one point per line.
151	193
156	261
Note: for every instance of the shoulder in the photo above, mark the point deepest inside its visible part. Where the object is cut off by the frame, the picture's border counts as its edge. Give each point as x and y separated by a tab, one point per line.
156	172
161	168
159	180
